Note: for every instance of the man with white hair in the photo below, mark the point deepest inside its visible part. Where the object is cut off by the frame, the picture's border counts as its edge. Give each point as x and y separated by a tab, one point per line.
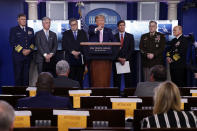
6	116
46	42
62	80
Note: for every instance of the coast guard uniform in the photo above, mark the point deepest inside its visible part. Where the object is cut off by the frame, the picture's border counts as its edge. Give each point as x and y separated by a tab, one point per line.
21	38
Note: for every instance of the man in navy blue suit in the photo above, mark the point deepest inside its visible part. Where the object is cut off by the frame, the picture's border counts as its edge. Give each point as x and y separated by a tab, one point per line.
100	33
44	98
22	42
125	54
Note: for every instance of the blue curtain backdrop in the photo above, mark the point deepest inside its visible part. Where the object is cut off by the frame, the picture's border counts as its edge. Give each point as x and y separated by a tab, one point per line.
73	10
8	12
132	10
163	11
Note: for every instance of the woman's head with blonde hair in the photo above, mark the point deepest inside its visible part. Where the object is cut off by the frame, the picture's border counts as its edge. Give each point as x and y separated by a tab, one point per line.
167	96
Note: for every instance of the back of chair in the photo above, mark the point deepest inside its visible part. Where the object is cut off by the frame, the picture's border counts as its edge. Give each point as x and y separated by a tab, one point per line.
14	90
105	91
41	114
37	129
95	102
63	91
138	117
129	91
170	129
11	99
115	118
101	129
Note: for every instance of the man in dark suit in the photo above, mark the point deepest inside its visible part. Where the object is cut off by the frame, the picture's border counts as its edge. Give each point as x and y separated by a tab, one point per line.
44	98
73	51
125	54
62	80
152	47
158	74
46	42
100	33
22	42
176	57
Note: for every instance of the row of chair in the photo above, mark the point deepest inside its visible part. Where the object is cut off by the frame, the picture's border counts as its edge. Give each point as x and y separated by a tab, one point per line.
63	91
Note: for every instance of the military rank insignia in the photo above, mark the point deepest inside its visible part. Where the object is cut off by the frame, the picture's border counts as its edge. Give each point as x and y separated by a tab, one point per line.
168	54
32	46
157	39
176	57
18	48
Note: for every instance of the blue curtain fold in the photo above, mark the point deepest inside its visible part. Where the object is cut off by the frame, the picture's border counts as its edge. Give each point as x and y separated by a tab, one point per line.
73	10
163	11
132	11
41	10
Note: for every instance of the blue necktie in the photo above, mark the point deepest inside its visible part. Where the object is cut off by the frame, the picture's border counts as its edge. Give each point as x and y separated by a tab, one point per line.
75	35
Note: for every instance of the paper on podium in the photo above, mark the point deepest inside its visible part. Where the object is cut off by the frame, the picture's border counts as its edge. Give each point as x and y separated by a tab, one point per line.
121	69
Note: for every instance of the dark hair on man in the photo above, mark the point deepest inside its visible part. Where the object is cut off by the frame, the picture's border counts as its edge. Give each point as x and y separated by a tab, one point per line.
152	21
71	20
44	82
119	22
159	73
21	15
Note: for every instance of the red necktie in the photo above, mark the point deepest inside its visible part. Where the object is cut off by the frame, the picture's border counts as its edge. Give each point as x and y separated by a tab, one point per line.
121	40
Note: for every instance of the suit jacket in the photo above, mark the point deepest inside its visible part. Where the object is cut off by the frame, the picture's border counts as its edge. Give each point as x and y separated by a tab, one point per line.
171	119
94	36
69	44
63	81
44	45
178	52
19	40
128	46
44	100
155	45
146	88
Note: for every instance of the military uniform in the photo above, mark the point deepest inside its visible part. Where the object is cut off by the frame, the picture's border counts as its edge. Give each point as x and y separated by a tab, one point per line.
177	51
151	44
21	39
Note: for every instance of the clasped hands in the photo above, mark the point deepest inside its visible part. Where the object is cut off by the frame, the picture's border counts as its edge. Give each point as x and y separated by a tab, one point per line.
48	57
122	60
26	52
150	56
76	54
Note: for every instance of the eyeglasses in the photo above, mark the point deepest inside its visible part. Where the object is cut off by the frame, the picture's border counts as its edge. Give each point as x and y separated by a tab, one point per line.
73	24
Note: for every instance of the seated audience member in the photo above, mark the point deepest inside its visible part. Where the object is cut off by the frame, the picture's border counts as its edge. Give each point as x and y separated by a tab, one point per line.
158	74
167	110
62	80
44	98
6	116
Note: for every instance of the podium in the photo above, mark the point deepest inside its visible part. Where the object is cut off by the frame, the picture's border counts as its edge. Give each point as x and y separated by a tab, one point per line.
100	57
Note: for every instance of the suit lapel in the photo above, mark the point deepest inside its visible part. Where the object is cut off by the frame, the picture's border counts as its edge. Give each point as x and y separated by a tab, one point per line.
104	32
117	37
125	37
78	34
